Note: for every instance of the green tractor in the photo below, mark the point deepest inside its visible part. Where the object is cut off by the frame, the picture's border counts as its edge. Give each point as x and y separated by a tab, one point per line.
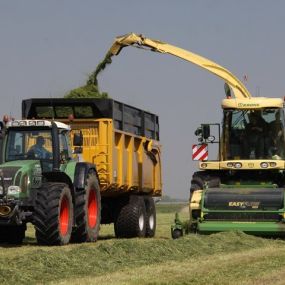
41	183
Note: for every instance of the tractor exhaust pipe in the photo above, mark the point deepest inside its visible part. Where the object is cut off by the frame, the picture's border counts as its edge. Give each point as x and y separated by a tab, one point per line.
55	147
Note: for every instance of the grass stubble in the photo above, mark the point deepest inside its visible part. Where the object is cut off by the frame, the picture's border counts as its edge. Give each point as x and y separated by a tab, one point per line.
222	258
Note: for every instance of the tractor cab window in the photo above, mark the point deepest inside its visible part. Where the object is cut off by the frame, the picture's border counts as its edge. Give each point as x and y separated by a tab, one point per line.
254	134
65	148
29	144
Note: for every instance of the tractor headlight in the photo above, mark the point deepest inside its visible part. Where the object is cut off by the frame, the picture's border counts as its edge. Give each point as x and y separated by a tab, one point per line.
13	190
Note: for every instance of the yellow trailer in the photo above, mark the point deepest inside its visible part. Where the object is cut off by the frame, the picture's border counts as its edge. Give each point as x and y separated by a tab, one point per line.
123	142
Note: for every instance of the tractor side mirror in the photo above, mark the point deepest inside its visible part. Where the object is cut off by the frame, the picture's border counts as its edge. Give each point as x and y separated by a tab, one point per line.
78	139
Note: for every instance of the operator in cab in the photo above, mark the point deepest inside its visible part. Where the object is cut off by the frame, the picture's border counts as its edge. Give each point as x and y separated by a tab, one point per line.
38	150
255	136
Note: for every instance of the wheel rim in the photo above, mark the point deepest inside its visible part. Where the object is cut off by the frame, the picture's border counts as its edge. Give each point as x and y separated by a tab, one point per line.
92	209
151	222
64	216
141	222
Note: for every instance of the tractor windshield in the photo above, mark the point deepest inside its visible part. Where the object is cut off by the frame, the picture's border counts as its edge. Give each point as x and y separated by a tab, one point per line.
253	134
28	144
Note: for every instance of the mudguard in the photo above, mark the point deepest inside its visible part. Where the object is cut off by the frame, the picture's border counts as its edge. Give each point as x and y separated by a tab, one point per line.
81	172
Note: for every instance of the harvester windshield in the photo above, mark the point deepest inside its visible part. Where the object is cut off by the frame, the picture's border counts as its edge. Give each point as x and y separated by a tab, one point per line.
254	134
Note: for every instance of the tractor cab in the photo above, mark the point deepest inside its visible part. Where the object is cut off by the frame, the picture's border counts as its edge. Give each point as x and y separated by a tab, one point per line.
37	140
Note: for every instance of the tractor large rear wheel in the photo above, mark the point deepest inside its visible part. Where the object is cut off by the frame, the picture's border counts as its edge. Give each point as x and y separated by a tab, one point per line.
53	217
87	211
131	220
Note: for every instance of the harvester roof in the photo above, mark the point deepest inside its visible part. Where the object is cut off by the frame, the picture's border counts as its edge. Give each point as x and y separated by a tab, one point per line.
252	103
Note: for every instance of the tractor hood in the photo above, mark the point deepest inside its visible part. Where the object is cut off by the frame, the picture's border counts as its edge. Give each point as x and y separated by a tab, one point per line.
19	176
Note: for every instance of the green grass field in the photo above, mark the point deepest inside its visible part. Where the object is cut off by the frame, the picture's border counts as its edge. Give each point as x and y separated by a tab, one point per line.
223	258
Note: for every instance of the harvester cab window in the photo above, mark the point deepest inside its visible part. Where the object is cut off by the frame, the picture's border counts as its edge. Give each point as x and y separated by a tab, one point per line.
254	134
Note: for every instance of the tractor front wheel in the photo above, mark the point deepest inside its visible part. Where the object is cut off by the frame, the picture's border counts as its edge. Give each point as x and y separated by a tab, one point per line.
53	217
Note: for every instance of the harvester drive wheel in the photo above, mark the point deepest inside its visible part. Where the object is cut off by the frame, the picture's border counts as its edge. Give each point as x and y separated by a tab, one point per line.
131	220
53	217
87	211
150	217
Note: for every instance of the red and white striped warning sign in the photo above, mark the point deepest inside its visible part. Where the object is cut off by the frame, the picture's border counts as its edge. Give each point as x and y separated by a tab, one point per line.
199	152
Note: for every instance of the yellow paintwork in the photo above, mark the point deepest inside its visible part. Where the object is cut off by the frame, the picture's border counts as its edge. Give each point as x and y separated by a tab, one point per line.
246	164
125	162
195	202
252	103
238	88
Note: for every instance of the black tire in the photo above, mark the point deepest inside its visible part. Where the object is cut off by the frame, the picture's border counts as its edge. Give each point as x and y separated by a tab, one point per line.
13	234
150	217
53	217
87	212
202	178
176	234
131	220
3	234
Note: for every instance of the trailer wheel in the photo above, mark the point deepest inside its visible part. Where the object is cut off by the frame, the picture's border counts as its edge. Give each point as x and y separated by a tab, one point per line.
131	220
87	212
53	218
150	217
201	178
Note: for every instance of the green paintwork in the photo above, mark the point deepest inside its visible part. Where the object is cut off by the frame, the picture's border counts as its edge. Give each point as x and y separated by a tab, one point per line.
257	228
69	169
26	167
270	228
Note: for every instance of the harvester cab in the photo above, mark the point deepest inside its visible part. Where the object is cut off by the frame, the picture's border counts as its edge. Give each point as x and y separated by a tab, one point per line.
44	141
244	188
41	182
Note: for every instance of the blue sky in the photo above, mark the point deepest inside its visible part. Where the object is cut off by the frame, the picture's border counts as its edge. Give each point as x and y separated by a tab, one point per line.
49	47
